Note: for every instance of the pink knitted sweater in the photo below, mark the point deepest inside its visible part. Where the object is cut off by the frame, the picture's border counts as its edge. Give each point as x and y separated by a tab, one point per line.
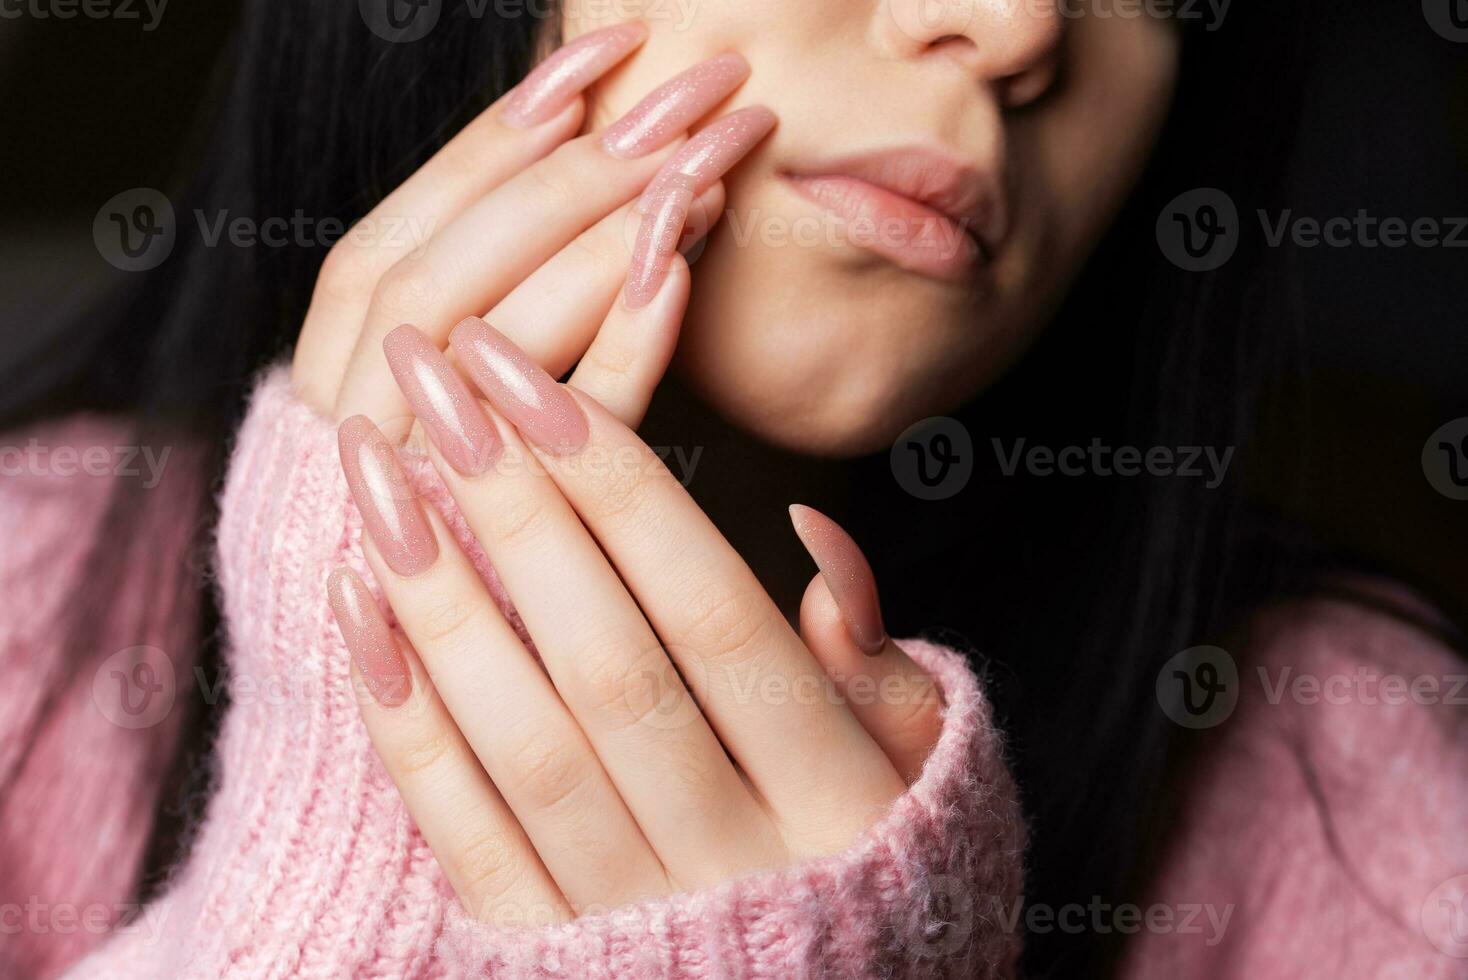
307	864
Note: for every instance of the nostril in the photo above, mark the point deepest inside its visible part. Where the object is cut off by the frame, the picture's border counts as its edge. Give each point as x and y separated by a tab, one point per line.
1021	89
960	48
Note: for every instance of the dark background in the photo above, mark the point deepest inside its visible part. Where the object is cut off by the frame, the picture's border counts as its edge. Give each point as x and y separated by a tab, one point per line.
95	107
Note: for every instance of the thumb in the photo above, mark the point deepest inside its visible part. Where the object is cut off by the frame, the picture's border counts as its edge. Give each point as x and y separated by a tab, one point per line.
895	699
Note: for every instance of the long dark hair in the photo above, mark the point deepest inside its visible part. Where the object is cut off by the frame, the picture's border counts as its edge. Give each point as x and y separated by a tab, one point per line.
1072	592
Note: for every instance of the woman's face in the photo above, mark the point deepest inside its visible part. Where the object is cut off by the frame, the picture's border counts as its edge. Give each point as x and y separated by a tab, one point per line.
940	171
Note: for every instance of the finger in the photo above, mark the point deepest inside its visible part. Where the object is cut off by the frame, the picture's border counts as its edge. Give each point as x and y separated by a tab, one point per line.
607	664
499	698
630	353
557	311
717	148
478	842
541	113
476	259
758	685
706	159
841	623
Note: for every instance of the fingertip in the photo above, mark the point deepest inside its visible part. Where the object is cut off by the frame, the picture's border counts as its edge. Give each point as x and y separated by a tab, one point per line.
818	610
705	212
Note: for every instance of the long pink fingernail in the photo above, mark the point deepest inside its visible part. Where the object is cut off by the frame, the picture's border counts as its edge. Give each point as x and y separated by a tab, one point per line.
561	77
369	640
657	240
847	575
543	411
390	508
713	152
674	106
442	401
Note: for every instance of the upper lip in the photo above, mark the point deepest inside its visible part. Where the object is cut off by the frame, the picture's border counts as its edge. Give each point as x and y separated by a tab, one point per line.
965	194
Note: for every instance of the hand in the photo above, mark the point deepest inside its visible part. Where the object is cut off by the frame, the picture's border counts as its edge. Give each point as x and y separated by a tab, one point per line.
519	216
533	793
681	733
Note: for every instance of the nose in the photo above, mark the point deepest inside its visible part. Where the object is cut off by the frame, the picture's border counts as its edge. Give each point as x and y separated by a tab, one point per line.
1010	45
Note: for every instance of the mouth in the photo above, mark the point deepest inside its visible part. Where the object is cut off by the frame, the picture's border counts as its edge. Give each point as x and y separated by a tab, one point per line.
920	209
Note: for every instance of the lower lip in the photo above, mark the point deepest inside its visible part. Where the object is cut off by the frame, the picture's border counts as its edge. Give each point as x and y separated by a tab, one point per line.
911	235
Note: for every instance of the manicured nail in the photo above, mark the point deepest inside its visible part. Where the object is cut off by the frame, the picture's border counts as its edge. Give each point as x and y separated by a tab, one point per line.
368	638
713	152
390	509
674	106
847	575
561	77
442	401
543	411
657	240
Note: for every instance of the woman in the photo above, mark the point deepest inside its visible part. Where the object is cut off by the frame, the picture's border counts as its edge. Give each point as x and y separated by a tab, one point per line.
720	770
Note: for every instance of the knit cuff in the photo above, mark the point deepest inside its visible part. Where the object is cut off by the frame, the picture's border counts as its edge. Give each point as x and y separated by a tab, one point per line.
288	517
931	890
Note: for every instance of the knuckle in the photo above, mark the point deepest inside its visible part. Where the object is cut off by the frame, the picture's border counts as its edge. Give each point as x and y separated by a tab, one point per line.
726	626
555	184
444	618
918	713
407	291
693	779
422	753
488	866
914	713
613	359
621	494
346	272
519	521
625	679
594	250
573	173
461	160
546	772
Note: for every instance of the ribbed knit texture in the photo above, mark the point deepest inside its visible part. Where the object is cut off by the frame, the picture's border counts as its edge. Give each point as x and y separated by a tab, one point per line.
308	865
1333	832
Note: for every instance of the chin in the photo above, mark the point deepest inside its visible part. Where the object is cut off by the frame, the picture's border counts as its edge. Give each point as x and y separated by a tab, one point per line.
829	380
834	353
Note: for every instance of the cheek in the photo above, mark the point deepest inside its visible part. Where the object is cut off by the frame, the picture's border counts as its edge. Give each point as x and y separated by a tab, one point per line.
1094	140
681	34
